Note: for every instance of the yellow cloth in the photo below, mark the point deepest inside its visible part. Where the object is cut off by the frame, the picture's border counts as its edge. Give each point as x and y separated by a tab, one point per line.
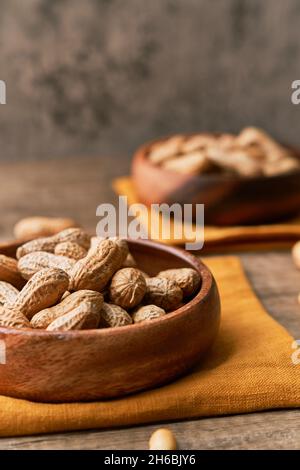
224	239
249	368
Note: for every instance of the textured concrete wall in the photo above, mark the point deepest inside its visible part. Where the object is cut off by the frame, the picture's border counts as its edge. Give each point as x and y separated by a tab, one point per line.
101	76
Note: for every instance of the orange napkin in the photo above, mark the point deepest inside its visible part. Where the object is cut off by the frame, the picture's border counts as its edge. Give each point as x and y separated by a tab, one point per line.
223	239
249	368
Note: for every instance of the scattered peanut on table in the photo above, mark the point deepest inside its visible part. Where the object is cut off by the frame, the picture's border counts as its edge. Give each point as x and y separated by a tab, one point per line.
71	281
162	439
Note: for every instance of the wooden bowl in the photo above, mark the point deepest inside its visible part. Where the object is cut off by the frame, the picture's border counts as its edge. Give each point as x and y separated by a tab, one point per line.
228	199
98	364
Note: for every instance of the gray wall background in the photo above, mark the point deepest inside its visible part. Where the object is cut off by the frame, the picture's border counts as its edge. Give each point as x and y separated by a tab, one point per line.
99	77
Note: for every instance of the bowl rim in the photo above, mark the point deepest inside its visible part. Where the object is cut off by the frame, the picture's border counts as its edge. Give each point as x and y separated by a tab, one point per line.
141	154
207	281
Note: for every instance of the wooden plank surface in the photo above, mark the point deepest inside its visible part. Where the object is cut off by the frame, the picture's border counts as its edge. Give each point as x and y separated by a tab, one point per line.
75	189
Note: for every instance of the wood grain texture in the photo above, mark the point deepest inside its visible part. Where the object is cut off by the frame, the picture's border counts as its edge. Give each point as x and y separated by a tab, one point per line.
272	430
273	276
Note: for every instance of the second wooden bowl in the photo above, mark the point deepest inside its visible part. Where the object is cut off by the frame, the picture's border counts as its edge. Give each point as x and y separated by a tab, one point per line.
105	363
228	199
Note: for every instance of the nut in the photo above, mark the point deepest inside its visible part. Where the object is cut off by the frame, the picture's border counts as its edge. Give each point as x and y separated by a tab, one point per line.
237	159
147	313
163	292
162	439
186	278
13	318
9	272
70	250
166	149
121	242
189	164
92	299
296	254
286	165
8	293
43	290
74	235
113	316
33	262
96	269
74	320
127	288
34	227
197	142
123	245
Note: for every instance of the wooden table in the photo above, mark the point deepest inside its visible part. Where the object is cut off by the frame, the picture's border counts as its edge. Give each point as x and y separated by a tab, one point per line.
76	188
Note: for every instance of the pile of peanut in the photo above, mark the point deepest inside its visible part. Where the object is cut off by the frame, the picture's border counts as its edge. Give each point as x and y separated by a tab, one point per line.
251	153
70	281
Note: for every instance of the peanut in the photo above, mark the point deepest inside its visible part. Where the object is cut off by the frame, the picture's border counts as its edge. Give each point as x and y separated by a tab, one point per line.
74	320
127	288
113	316
147	313
8	293
286	165
163	292
92	299
162	439
197	142
43	290
34	227
9	272
96	269
189	164
296	254
75	235
13	318
186	278
33	262
166	149
70	250
238	160
121	242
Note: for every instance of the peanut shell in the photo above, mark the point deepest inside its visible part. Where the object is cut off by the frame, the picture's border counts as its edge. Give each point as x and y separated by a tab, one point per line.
94	299
30	264
147	313
8	293
113	316
186	278
12	318
127	288
35	227
9	272
96	269
163	293
70	250
74	235
43	290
